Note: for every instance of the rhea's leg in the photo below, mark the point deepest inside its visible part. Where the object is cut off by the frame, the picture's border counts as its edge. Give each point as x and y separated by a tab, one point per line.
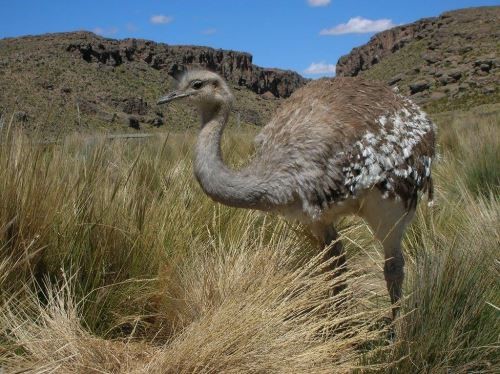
394	274
328	238
388	219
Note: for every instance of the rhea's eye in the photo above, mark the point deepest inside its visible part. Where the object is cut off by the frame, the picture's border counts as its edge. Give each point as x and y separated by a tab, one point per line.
197	85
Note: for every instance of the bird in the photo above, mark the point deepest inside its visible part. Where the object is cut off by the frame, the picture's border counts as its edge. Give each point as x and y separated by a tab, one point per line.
336	147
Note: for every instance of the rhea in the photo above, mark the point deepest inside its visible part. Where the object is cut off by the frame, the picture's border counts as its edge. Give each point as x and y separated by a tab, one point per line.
336	147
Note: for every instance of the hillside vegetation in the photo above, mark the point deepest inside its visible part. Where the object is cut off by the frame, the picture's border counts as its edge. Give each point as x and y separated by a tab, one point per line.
444	63
81	82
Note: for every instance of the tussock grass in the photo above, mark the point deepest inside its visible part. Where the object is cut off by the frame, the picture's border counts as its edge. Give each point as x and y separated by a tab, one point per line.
474	143
113	260
276	321
247	307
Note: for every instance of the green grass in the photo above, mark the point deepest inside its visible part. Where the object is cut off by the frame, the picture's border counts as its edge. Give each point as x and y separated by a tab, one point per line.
466	101
113	260
403	60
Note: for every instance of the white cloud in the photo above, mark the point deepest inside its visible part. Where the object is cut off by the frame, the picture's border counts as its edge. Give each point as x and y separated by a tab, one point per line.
320	68
105	31
160	19
318	2
209	31
359	25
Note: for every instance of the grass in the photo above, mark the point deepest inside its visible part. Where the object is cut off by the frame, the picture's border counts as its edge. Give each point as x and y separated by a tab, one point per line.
403	60
113	260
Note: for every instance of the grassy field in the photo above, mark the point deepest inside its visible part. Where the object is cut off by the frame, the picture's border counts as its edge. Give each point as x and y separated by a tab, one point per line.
112	260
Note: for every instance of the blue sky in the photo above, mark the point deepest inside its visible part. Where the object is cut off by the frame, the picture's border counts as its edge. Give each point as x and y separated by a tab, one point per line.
303	35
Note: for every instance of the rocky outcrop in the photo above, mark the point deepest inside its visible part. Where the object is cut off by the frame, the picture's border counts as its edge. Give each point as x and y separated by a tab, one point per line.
90	82
435	29
235	67
453	56
382	45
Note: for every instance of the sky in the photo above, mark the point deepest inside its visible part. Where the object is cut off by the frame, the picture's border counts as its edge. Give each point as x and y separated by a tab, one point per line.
307	36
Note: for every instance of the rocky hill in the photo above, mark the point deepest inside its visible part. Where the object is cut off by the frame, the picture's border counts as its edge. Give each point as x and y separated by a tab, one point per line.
81	81
444	63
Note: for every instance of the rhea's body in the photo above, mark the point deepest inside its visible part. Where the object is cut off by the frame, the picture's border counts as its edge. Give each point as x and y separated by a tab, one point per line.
335	147
326	147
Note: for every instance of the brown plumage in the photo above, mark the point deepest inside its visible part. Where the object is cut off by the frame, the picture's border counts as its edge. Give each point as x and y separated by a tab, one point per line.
335	147
329	120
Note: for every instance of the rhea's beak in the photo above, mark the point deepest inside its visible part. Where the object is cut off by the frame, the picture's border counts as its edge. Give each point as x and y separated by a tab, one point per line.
174	95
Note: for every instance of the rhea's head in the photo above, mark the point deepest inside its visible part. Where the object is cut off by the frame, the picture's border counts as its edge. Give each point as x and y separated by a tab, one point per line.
205	89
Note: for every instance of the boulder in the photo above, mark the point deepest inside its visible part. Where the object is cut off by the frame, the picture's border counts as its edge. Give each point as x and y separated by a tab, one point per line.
445	79
134	123
135	105
419	86
488	90
489	61
463	87
465	49
485	67
268	96
437	95
451	89
456	73
431	58
395	79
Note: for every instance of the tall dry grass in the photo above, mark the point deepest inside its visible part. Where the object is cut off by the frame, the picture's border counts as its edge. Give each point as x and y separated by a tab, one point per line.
113	260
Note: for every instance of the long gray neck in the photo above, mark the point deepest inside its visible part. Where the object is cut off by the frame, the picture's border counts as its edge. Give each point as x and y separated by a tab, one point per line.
234	188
